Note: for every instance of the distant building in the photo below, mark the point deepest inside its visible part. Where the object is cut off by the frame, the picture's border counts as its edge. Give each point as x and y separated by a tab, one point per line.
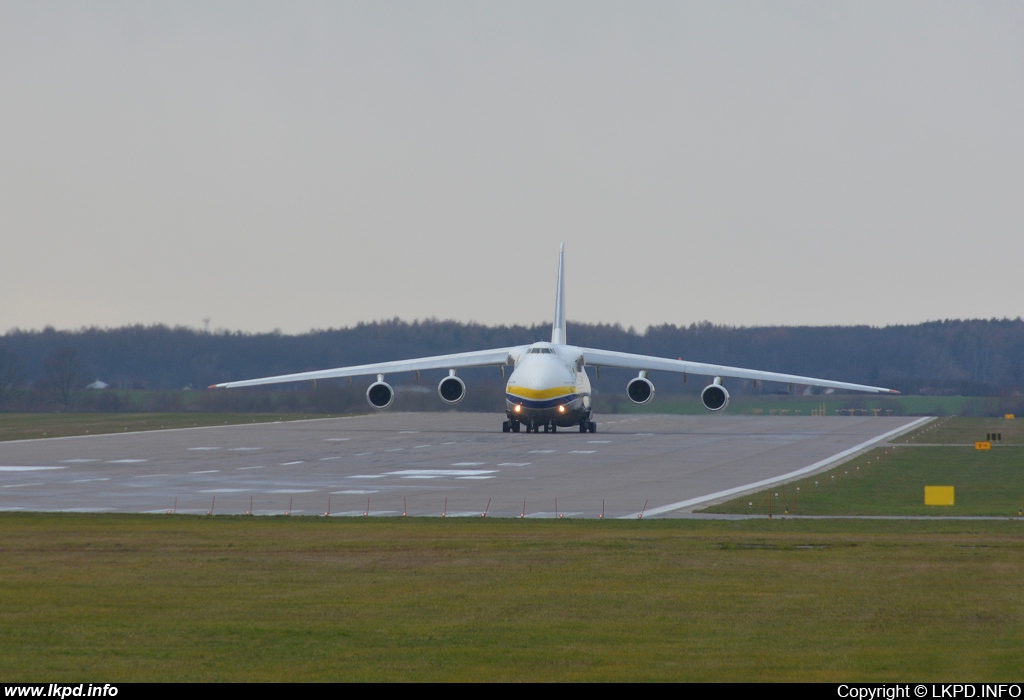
97	385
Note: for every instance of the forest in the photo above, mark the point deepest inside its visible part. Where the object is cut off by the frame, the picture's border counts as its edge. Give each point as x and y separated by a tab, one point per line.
48	369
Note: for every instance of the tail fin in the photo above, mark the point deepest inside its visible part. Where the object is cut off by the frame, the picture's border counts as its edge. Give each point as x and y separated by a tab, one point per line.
558	327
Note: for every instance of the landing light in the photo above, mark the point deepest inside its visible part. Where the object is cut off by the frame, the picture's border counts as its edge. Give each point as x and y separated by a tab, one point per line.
518	408
561	409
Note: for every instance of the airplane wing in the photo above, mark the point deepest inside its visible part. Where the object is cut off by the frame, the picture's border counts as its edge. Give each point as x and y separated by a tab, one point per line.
625	360
479	358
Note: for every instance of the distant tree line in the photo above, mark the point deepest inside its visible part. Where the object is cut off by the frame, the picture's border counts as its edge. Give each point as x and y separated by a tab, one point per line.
47	369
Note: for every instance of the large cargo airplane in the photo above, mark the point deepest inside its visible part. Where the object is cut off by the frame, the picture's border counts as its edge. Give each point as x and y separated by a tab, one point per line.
549	387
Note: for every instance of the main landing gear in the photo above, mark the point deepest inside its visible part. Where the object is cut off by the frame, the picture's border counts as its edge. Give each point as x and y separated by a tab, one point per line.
586	426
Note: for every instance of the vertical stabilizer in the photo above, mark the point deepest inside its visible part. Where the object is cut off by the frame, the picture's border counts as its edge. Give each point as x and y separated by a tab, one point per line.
558	327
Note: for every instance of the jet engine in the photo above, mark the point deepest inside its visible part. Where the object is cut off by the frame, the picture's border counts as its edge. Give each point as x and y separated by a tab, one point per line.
380	394
714	397
452	389
640	389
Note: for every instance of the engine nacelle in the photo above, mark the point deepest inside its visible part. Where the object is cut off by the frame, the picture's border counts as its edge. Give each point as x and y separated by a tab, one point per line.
714	397
380	394
452	389
640	390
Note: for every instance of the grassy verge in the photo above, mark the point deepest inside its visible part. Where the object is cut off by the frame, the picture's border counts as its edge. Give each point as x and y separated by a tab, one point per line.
891	480
28	426
123	598
805	405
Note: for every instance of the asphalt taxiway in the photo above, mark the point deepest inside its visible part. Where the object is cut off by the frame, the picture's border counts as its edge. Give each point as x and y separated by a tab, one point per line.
429	464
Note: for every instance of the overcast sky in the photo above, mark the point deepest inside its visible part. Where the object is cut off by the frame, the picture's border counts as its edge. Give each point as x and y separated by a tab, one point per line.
309	165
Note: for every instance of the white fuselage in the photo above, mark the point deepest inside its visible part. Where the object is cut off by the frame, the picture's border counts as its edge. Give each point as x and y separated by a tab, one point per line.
548	386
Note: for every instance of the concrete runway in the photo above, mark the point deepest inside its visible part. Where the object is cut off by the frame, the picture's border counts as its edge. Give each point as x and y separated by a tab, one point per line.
427	464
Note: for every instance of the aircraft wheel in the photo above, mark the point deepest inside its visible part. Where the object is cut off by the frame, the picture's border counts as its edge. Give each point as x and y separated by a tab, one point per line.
592	427
515	427
506	427
547	428
583	427
554	428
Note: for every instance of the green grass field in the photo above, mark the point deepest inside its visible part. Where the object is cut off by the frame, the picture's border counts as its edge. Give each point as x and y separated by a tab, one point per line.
29	426
891	480
804	405
160	598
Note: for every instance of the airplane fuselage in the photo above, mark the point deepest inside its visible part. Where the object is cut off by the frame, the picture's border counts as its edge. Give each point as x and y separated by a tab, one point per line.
548	387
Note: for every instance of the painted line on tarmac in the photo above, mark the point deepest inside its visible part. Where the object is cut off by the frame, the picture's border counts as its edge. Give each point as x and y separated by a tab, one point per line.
838	457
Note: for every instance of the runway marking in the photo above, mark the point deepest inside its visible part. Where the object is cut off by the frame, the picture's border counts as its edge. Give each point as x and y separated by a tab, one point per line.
243	449
468	464
78	461
599	442
514	464
208	471
362	454
149	476
409	432
204	448
18	486
438	473
838	457
356	492
474	477
396	449
419	446
28	469
367	476
449	443
542	452
127	461
292	491
336	439
244	468
643	434
330	459
582	452
82	481
222	490
290	464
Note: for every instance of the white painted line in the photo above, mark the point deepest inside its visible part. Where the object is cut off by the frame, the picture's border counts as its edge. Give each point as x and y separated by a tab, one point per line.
28	469
838	457
367	476
419	446
78	461
18	486
223	490
468	464
542	452
409	432
362	454
336	439
149	476
330	459
514	464
396	449
244	468
582	452
357	492
204	448
127	461
599	442
292	491
207	471
244	449
474	477
289	464
83	481
431	473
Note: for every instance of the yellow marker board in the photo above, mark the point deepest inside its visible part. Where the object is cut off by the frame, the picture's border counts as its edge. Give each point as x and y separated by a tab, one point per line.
938	495
983	445
1009	416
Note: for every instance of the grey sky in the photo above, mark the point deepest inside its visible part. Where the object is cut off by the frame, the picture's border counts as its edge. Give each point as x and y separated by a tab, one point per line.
309	165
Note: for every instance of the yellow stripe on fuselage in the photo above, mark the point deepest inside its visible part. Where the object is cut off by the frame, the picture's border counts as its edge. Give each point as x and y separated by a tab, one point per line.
537	394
